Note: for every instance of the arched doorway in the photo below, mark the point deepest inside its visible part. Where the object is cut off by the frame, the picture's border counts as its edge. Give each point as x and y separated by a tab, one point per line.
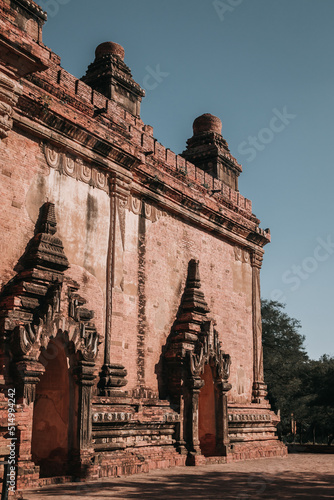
51	430
207	426
197	372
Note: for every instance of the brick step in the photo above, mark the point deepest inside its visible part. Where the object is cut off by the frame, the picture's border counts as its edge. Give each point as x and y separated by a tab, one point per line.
47	481
215	460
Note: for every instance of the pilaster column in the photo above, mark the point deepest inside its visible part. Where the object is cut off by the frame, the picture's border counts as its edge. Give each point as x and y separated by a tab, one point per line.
83	450
180	430
222	438
259	387
27	375
85	374
191	398
112	376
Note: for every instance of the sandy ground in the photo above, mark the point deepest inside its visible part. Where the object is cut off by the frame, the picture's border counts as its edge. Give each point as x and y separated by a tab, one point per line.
301	476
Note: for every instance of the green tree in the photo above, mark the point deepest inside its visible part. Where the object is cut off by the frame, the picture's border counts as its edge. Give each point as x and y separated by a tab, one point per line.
284	358
296	384
318	381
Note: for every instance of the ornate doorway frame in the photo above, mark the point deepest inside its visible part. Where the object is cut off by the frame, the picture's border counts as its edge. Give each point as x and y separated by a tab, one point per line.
38	305
192	344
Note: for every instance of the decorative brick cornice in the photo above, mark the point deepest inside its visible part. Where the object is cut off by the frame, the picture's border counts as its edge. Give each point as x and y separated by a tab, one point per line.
176	191
178	198
175	197
38	115
10	90
33	8
70	166
165	195
56	104
144	207
249	417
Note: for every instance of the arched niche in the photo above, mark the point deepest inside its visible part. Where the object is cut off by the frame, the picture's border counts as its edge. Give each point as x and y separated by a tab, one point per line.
54	425
207	414
196	372
47	328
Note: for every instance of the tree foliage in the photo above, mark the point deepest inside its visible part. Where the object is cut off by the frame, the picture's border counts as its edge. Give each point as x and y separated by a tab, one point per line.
297	385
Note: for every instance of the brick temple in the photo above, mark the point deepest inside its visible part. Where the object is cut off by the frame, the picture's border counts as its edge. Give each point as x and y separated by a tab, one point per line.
130	315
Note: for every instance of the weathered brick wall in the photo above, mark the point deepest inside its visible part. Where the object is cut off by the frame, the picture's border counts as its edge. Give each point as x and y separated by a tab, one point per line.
83	214
130	214
227	284
21	159
82	211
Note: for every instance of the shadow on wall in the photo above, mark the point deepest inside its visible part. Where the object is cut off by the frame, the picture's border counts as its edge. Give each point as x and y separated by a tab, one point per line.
160	367
19	266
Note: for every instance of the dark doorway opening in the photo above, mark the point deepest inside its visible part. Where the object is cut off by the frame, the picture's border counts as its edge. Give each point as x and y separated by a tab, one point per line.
207	427
51	422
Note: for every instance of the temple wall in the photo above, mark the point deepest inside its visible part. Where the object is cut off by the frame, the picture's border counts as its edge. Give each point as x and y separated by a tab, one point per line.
21	160
226	282
82	211
83	216
226	292
122	254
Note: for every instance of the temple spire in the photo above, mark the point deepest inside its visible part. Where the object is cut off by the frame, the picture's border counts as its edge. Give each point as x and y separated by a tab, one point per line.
208	150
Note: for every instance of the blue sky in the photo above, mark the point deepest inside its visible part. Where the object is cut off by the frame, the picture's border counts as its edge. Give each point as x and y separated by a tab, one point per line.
246	61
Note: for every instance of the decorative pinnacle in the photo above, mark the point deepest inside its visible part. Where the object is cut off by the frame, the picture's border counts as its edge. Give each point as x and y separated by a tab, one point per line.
47	222
207	123
107	48
193	277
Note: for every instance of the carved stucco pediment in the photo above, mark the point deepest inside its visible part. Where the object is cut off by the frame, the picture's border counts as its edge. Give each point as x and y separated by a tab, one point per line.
194	341
192	354
41	304
208	351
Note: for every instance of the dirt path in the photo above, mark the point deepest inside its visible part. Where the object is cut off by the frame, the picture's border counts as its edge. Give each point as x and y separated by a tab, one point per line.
299	476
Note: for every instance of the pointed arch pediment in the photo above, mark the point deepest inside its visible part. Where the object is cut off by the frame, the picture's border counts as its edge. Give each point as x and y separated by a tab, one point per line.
193	341
208	350
39	302
194	357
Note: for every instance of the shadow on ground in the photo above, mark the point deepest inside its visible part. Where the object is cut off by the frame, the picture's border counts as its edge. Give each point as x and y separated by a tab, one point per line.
208	485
